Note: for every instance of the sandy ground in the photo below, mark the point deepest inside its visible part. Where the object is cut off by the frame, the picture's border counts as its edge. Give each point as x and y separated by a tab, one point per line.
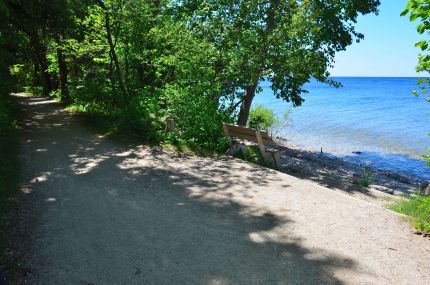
101	213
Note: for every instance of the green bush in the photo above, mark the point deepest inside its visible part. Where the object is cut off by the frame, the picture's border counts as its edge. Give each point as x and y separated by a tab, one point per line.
144	117
262	118
22	75
93	96
418	208
198	119
365	179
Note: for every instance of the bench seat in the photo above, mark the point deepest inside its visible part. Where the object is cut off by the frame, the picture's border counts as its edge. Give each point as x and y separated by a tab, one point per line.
260	137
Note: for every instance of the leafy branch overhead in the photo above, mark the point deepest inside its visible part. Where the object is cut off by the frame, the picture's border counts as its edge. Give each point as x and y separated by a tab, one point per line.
419	10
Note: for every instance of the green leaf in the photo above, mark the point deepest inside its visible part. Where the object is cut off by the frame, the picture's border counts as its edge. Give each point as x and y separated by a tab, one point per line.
422	44
404	13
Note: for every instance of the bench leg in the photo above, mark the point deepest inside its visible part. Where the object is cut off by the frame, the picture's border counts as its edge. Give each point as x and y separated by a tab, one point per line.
272	157
276	159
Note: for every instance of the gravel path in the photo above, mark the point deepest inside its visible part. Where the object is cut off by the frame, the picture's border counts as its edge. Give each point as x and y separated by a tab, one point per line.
102	213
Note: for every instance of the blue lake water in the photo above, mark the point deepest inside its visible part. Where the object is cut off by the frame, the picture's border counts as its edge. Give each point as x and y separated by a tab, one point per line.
378	117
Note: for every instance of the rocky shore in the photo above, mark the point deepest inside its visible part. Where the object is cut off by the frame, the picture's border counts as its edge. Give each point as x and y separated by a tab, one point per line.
364	182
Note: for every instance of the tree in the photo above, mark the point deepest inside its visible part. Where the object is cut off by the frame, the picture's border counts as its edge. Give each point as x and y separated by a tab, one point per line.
284	42
419	10
199	61
113	54
41	22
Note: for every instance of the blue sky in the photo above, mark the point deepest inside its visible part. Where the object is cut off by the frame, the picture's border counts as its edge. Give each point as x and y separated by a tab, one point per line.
388	45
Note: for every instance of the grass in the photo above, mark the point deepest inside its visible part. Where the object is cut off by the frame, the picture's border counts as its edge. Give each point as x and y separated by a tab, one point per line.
418	208
254	155
9	178
365	179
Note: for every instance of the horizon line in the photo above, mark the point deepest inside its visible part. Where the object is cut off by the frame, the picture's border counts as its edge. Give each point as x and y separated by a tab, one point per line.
382	76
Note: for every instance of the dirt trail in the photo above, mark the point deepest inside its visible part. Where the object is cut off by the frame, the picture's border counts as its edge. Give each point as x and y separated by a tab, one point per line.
109	214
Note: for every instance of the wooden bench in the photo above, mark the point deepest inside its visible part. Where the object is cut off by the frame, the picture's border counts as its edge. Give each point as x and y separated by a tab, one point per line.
262	138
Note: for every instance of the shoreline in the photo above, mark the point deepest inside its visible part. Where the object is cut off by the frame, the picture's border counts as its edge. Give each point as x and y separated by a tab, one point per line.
338	174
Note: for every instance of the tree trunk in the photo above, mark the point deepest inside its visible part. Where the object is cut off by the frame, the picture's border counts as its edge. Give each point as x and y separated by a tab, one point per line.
36	73
62	66
122	85
245	107
42	62
46	77
112	83
250	91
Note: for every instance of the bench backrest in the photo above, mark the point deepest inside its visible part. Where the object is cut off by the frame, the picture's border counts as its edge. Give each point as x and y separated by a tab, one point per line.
248	134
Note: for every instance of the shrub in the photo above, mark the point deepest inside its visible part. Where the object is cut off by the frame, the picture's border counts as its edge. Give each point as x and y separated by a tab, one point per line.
365	179
93	96
144	117
198	118
262	118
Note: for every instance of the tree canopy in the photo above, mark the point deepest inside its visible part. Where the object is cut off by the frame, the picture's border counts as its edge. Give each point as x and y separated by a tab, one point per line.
201	62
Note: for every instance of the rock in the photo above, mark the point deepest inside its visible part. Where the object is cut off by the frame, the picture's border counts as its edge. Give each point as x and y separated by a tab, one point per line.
235	148
425	188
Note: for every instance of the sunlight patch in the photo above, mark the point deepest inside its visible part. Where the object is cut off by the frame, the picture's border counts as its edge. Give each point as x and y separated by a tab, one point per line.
41	102
84	165
130	163
41	178
26	190
257	238
218	281
125	153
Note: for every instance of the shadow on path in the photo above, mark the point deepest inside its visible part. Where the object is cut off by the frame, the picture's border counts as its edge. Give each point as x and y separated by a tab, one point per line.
109	214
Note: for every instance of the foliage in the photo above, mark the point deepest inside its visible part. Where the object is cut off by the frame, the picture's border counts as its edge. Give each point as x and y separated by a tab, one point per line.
192	114
419	10
285	42
418	208
140	61
262	118
144	118
365	179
